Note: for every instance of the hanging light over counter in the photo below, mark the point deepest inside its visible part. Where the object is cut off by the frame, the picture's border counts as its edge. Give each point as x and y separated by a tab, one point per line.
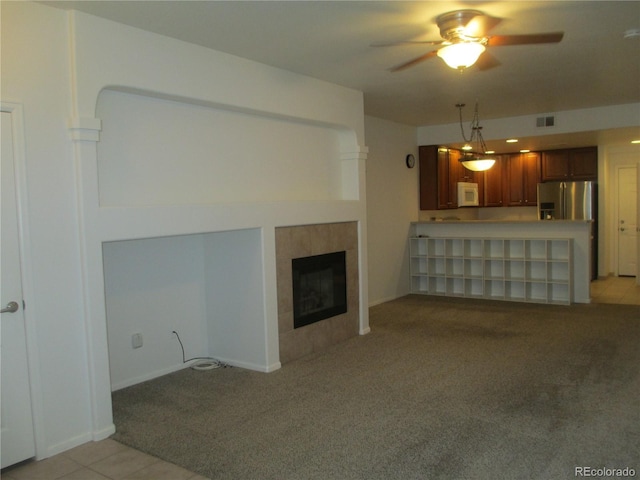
476	159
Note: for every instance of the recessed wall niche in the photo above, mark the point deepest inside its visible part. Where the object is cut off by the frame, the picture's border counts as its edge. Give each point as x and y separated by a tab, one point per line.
207	287
154	151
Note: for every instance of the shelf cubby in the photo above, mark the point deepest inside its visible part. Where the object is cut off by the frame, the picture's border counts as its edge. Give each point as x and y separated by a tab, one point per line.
436	266
419	265
514	249
473	268
536	249
515	290
494	268
514	269
536	270
494	289
454	247
455	287
473	248
473	287
437	285
558	271
494	248
454	267
436	247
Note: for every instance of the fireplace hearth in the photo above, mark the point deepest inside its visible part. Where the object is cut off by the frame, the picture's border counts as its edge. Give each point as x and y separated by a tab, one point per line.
319	287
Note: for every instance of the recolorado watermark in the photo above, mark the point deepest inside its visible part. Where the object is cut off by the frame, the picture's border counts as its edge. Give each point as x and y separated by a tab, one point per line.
605	472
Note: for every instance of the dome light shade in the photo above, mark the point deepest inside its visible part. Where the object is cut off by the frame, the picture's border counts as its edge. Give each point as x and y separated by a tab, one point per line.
477	164
461	55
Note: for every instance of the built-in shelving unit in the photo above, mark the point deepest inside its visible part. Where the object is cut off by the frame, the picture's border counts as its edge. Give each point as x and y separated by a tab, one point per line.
522	270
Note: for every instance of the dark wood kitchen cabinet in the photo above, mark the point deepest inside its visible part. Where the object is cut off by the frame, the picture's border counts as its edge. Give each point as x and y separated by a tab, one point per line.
493	184
435	183
570	164
447	172
440	172
428	163
522	171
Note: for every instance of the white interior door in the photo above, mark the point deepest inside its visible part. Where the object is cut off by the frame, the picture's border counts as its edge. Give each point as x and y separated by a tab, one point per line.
17	441
627	221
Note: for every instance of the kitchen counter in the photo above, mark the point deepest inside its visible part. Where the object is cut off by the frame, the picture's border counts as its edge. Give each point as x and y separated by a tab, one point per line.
578	231
453	221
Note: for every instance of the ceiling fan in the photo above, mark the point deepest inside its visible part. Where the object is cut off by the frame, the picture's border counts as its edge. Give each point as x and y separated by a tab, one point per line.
465	37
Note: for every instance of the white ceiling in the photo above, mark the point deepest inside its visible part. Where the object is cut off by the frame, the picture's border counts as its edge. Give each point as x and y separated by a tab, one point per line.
594	65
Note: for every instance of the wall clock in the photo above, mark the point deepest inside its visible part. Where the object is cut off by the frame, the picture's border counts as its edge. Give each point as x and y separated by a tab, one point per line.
410	160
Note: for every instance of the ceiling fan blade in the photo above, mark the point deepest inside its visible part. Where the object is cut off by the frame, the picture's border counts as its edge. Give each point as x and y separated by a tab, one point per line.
415	61
480	25
531	39
408	42
487	62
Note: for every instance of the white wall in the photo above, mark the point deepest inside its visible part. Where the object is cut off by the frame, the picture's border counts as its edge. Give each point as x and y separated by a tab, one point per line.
146	156
584	120
56	65
392	203
235	297
154	286
35	74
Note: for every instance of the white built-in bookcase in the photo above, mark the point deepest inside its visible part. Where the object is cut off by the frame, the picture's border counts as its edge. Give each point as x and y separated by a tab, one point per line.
522	270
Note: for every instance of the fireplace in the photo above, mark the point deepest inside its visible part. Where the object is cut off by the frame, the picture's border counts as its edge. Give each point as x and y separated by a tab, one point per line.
312	243
319	287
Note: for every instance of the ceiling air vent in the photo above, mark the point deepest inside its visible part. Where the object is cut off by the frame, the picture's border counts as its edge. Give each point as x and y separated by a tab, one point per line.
546	121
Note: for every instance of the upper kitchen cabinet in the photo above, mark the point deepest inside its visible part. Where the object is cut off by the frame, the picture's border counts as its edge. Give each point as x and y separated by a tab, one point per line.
570	164
440	172
522	172
494	180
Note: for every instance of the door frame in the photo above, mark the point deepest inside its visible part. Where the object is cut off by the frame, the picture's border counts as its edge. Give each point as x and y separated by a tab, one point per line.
30	311
615	226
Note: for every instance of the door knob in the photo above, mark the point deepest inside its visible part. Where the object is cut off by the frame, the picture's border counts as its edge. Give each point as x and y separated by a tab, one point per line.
10	308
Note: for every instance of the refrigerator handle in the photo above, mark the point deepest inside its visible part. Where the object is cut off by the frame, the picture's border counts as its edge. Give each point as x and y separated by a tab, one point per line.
563	200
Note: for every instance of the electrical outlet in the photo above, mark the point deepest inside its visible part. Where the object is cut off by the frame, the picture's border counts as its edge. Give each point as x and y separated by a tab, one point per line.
136	340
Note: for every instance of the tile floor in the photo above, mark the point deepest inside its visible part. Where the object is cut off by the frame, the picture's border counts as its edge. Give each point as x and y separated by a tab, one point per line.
110	460
621	290
104	460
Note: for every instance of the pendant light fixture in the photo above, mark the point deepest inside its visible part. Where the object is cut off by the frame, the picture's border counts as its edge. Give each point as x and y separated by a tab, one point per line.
475	157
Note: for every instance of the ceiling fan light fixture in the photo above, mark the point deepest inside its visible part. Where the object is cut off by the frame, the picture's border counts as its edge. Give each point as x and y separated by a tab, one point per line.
461	55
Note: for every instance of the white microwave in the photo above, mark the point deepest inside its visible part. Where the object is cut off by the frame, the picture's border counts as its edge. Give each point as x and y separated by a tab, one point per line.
468	194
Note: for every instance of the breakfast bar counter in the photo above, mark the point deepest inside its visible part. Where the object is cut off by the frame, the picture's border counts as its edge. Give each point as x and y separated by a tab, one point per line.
544	261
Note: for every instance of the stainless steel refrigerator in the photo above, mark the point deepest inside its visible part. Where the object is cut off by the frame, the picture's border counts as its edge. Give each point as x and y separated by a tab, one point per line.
571	201
567	201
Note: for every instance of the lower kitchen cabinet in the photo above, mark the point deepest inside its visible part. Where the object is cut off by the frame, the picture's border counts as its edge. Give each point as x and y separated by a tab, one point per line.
524	270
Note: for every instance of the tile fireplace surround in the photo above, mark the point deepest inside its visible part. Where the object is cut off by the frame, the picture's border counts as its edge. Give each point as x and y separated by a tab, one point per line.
304	241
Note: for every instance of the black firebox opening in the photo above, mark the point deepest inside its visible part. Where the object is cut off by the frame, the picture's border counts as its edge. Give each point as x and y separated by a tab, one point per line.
319	287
